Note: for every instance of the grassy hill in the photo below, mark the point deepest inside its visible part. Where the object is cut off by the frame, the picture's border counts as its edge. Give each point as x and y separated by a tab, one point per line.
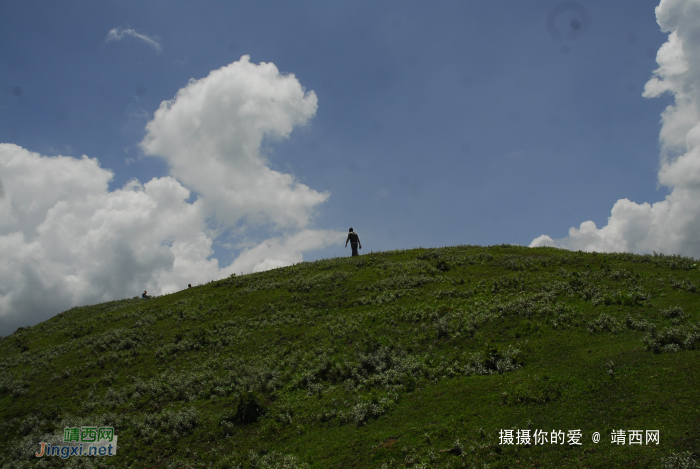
413	358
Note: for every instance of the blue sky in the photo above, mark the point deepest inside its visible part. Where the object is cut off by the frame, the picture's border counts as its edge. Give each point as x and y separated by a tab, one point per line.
552	139
437	123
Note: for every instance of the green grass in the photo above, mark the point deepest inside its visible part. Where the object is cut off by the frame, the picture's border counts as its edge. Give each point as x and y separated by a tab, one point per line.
411	358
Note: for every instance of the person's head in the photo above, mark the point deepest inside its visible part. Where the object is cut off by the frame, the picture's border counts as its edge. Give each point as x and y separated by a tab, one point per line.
144	292
350	230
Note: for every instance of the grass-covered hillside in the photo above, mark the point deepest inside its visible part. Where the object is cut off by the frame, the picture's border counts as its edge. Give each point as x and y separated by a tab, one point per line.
399	359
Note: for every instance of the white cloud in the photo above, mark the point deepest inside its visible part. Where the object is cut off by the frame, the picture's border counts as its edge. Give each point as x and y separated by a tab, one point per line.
66	240
211	135
543	240
671	225
117	34
281	252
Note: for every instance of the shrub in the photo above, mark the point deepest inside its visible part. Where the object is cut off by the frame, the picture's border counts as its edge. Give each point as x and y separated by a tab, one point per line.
181	423
275	460
493	361
604	323
442	327
673	339
641	325
170	423
673	312
683	460
372	407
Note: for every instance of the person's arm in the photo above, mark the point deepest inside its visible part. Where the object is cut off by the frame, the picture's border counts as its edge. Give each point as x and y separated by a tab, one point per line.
358	242
346	240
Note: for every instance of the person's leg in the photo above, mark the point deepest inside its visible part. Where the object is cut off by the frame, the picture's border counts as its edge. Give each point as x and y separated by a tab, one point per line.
354	249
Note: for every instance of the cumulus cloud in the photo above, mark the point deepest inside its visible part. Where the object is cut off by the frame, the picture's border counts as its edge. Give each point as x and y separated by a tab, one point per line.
211	135
671	225
117	34
66	239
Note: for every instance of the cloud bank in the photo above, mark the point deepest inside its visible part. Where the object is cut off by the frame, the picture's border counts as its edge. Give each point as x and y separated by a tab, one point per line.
671	226
117	34
67	240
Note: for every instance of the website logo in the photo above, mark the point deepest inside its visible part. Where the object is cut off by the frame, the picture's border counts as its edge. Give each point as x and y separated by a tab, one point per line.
81	441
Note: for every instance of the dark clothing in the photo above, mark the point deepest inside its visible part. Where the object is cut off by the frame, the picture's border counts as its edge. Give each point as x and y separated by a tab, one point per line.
354	242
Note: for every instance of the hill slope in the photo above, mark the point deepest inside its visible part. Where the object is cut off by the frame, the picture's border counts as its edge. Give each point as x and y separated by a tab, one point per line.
413	358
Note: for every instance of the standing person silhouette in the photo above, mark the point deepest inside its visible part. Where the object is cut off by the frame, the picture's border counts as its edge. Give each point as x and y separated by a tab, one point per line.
354	242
